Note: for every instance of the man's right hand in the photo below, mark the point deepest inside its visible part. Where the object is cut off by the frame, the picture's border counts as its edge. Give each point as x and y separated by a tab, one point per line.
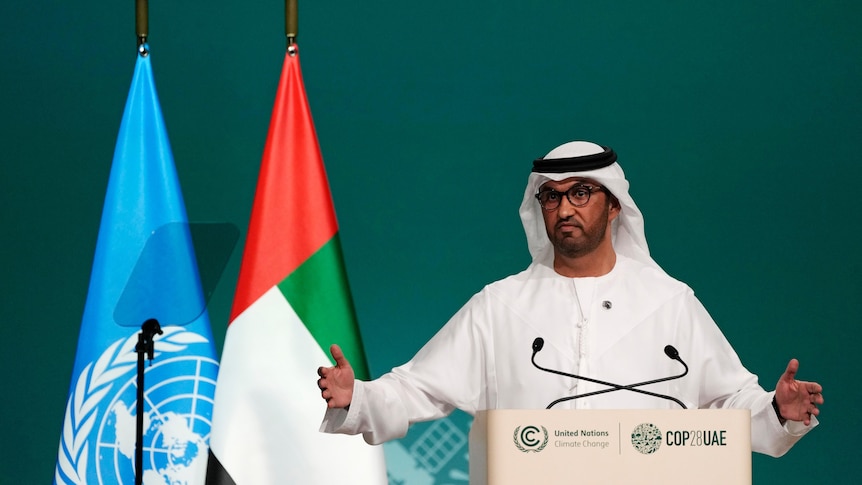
336	383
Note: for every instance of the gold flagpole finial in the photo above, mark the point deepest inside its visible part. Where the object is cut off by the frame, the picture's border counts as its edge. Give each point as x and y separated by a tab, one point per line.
291	21
142	24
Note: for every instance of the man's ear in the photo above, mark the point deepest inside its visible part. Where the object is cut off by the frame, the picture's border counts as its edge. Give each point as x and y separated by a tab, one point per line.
614	207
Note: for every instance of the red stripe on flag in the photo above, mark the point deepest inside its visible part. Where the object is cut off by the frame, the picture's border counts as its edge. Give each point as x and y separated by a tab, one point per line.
292	215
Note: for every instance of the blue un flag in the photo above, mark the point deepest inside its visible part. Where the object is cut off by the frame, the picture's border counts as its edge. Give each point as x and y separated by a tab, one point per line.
143	207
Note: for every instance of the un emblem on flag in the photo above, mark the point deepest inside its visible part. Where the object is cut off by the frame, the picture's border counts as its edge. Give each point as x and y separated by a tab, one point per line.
178	404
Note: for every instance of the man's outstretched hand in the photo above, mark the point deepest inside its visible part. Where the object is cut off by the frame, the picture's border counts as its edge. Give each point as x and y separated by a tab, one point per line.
797	400
336	383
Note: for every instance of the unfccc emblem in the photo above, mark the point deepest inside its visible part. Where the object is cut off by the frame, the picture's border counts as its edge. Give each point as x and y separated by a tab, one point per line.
530	439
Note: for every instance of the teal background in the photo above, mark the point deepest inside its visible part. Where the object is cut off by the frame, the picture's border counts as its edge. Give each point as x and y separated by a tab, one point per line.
737	122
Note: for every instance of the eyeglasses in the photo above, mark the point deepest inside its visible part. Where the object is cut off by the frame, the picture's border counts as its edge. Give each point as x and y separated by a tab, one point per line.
578	195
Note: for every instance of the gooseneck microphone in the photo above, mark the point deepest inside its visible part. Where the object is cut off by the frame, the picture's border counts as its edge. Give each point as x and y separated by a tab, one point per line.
669	350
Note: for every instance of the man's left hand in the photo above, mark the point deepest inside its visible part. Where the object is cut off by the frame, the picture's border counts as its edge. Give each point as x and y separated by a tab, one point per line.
797	400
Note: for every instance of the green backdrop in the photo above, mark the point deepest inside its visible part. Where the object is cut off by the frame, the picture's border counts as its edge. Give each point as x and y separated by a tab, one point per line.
737	122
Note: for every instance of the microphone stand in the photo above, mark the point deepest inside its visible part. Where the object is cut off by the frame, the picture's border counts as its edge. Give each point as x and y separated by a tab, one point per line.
145	346
612	386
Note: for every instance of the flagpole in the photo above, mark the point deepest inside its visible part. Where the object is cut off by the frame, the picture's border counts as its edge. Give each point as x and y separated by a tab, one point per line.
291	21
142	24
151	327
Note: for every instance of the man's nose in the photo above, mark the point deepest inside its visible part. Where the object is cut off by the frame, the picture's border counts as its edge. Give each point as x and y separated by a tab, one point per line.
566	208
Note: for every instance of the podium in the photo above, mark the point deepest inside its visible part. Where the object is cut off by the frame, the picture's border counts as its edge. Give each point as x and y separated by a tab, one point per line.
611	447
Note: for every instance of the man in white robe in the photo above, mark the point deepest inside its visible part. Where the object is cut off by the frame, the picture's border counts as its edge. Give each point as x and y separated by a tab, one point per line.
591	303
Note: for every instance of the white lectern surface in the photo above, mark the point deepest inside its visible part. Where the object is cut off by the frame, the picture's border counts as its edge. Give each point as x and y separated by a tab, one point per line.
550	447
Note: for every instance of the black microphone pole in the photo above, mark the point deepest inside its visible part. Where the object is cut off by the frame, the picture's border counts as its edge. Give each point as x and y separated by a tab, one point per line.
144	348
669	350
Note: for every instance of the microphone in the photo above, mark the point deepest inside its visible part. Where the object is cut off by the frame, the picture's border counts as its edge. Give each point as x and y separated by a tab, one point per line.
669	350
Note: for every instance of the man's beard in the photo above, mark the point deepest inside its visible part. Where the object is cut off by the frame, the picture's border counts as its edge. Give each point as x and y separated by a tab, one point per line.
584	243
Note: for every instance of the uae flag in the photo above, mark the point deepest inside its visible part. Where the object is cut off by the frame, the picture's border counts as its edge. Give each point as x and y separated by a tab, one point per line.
292	301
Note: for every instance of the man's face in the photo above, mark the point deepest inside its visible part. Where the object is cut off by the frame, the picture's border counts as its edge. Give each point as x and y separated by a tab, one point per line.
578	231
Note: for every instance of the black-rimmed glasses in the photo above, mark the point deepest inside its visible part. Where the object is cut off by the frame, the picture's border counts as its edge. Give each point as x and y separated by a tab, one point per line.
578	195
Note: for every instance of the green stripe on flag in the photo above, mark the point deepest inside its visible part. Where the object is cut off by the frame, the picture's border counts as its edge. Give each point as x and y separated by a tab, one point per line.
319	293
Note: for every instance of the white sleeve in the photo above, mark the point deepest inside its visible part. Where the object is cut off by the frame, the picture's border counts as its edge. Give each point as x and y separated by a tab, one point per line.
371	413
726	384
447	373
768	435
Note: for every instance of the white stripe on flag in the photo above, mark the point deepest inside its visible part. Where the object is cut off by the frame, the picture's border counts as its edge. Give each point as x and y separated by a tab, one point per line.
268	407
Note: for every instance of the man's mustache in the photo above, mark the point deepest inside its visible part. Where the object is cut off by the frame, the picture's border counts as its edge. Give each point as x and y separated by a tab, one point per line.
568	223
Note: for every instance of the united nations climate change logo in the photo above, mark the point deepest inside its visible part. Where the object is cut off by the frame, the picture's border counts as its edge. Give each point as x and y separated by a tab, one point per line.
98	442
646	438
527	439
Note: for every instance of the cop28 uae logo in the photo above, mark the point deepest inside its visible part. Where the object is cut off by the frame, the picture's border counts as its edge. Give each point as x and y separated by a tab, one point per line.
527	439
646	438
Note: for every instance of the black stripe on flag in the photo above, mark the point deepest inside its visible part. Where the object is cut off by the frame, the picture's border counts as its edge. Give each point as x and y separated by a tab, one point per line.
216	474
